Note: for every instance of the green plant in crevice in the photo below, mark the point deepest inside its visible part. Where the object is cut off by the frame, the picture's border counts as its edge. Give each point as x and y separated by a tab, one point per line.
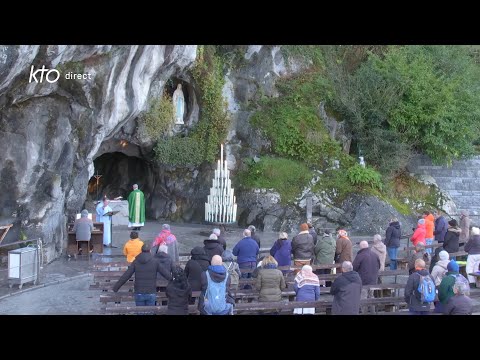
159	118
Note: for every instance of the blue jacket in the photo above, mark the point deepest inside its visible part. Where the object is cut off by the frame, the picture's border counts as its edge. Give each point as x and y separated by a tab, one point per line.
282	252
307	292
441	228
246	250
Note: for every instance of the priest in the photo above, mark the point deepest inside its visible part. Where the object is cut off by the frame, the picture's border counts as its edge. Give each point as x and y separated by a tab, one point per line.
136	208
102	209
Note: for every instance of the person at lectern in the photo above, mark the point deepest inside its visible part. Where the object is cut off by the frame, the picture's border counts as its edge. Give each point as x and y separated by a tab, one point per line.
102	209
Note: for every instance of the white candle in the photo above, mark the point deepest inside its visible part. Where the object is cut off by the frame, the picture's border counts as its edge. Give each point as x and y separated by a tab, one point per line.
234	212
221	152
218	167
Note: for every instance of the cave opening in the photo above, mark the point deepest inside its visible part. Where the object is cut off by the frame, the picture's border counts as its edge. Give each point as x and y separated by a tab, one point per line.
118	173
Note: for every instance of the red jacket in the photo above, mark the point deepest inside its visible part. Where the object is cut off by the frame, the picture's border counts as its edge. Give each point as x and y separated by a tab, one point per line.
419	235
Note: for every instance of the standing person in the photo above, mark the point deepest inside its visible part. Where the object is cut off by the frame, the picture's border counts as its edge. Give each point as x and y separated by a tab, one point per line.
311	231
346	291
232	269
165	261
220	238
440	226
198	263
472	247
429	225
451	243
83	228
325	251
102	209
216	298
179	293
167	238
136	208
441	267
419	302
246	251
132	247
302	247
145	269
212	246
392	241
460	304
343	248
380	250
419	233
282	250
270	281
366	264
445	290
419	253
307	288
254	234
465	226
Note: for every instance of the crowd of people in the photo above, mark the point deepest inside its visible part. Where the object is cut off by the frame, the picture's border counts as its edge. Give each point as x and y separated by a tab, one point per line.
215	271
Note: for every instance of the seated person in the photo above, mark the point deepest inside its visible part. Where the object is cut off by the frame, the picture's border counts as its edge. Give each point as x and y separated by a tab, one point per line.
83	228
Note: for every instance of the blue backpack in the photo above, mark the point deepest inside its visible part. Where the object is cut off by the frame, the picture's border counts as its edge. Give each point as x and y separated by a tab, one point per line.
426	288
215	297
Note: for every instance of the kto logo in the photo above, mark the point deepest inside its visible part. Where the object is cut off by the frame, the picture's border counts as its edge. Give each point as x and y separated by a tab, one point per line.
51	78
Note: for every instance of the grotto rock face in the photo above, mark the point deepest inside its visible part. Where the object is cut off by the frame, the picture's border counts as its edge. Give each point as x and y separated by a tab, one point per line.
52	131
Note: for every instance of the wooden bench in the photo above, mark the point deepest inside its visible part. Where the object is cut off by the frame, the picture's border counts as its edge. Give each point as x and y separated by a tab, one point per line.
144	310
477	278
125	296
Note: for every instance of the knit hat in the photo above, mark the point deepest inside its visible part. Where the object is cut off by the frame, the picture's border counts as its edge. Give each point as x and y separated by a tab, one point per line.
443	255
421	221
304	227
453	266
227	255
453	223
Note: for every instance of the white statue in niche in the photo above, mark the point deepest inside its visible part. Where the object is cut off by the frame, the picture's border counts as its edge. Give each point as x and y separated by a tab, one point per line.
179	105
362	161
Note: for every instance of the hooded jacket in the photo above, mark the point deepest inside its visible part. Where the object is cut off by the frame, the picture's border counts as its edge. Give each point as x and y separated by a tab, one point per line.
441	227
445	290
212	247
419	235
439	271
451	243
166	262
346	291
145	268
380	249
282	252
197	264
429	225
325	250
465	226
393	235
178	298
217	274
412	295
270	283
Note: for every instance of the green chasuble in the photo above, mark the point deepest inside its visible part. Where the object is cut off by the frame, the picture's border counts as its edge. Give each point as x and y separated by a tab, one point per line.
136	207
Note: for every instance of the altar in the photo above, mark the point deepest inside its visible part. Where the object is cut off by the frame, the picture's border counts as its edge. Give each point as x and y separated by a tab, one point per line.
121	218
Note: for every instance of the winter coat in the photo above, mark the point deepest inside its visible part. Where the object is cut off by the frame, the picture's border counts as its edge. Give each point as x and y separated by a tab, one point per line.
367	264
472	247
439	271
429	225
445	290
212	247
197	264
307	292
412	295
270	283
346	291
380	249
393	235
282	252
441	227
246	250
302	246
325	250
451	241
234	272
459	305
465	226
222	241
132	248
166	262
418	235
343	250
314	235
216	277
416	255
145	268
178	299
255	237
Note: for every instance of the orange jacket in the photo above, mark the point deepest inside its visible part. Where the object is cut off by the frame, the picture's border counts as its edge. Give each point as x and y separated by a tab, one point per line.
429	225
132	248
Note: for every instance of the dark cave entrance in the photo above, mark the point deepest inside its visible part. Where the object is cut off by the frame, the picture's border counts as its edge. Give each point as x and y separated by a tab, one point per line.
119	172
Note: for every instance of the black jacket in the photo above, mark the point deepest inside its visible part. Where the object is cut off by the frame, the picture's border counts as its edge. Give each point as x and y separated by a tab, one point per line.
412	295
256	238
393	235
472	247
451	241
346	291
145	268
217	278
459	305
178	299
197	264
222	241
212	247
302	247
166	262
314	235
367	264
